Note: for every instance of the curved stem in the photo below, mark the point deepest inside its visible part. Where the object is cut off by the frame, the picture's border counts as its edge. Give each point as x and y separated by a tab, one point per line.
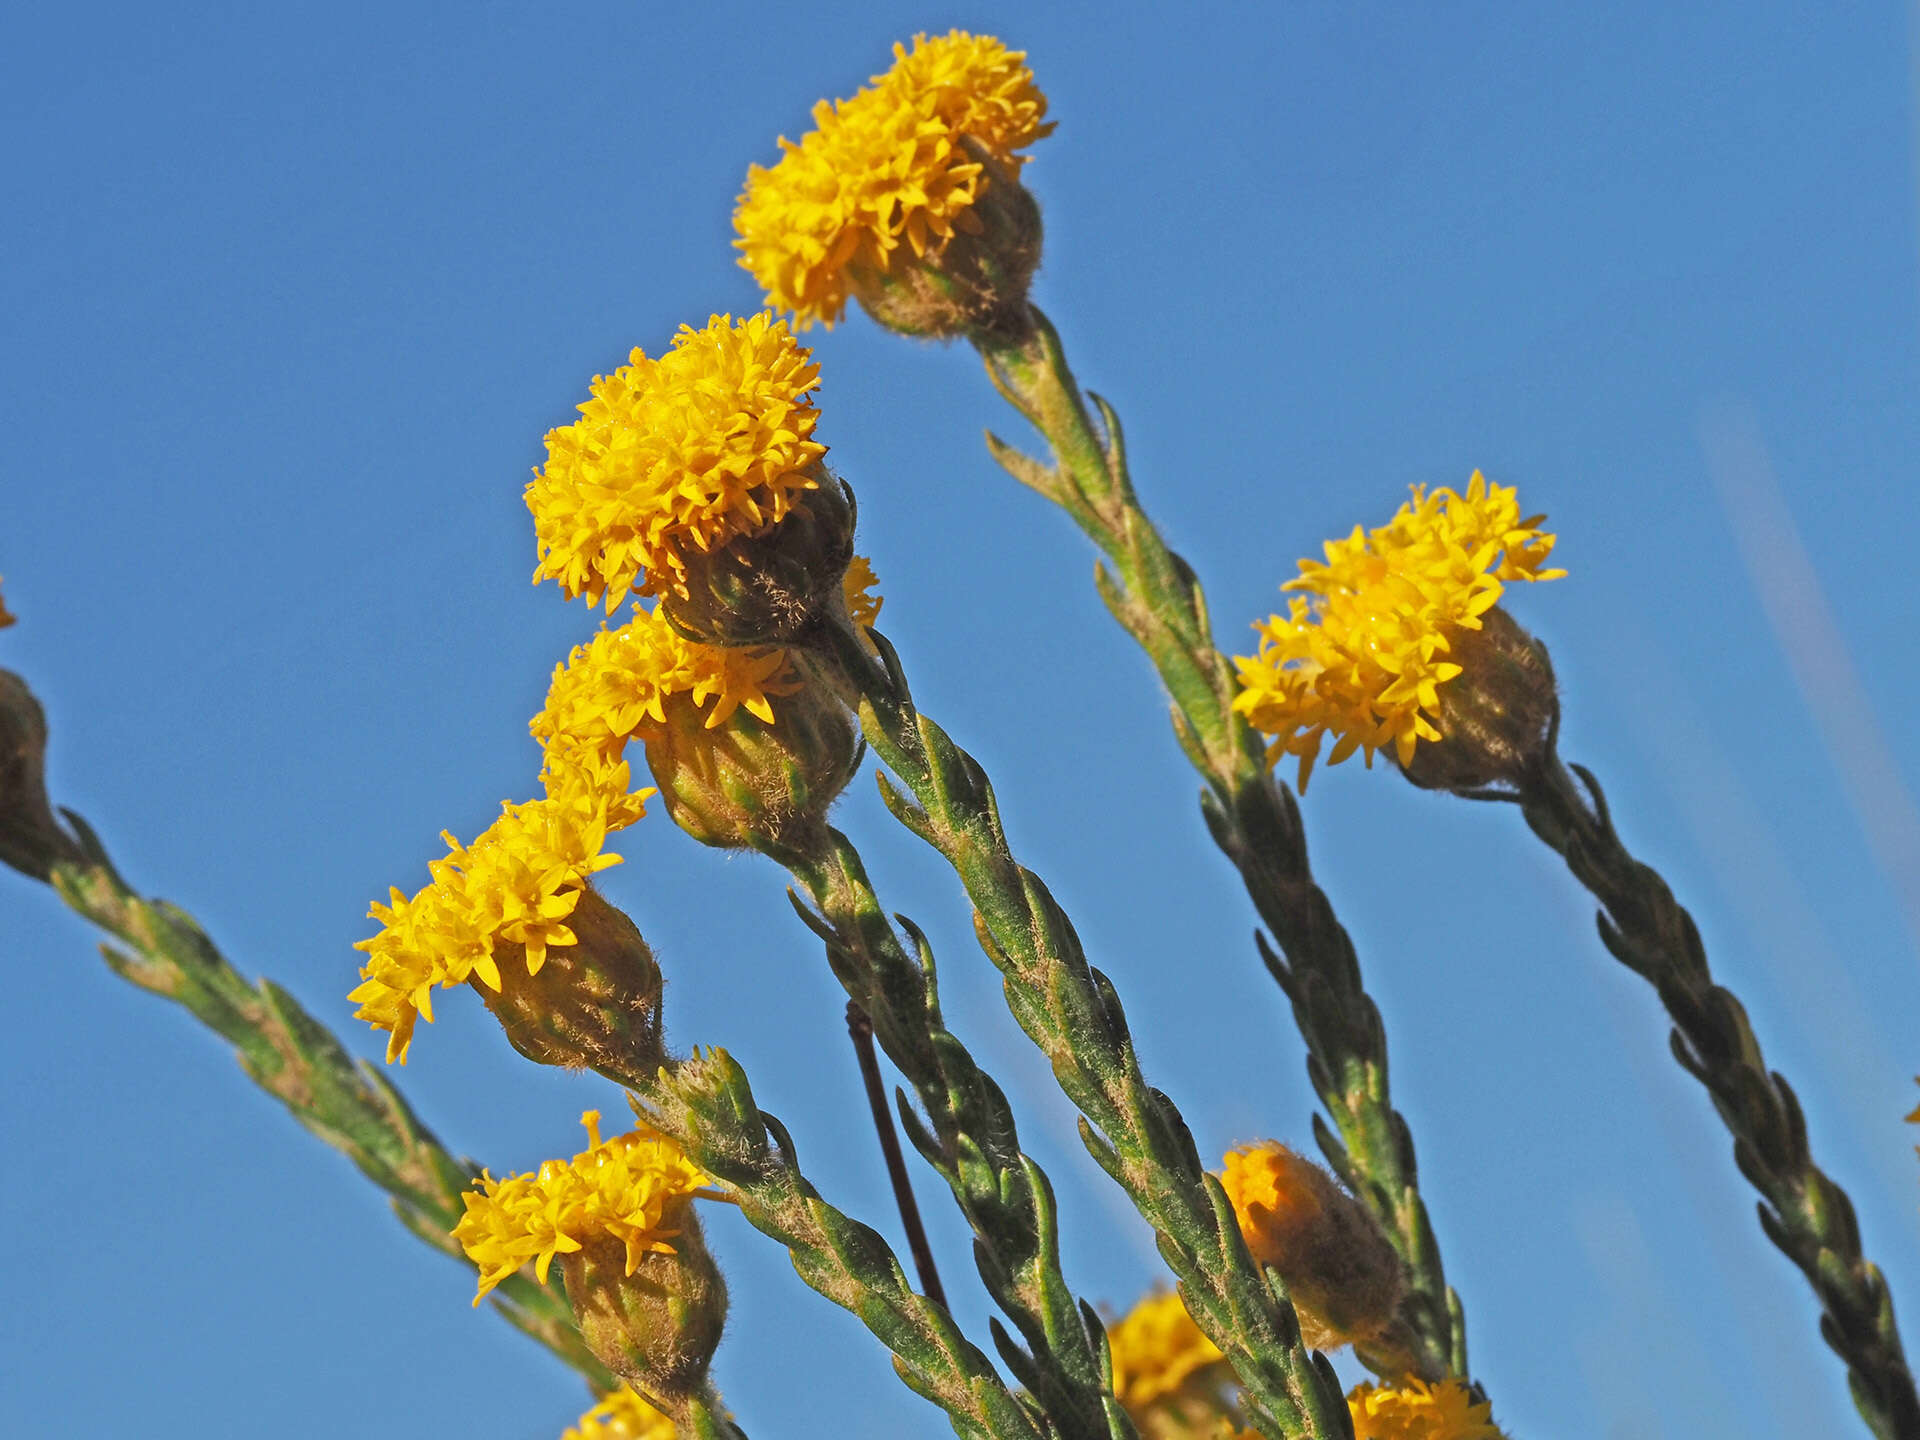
1802	1210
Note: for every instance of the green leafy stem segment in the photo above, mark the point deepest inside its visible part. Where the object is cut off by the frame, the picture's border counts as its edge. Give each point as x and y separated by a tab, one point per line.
1071	1011
1155	595
296	1059
1801	1209
707	1106
969	1136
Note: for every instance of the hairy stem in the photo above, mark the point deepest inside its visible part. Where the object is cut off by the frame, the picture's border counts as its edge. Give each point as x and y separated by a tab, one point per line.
1156	596
296	1059
707	1106
969	1136
1071	1011
1802	1210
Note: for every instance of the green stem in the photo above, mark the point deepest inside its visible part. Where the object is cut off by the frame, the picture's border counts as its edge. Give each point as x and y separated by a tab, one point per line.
1071	1012
1156	596
707	1106
1802	1210
969	1136
296	1059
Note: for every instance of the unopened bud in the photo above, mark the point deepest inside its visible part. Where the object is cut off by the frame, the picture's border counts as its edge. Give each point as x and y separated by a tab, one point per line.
748	783
1497	717
592	1004
976	285
656	1328
31	840
768	588
1340	1270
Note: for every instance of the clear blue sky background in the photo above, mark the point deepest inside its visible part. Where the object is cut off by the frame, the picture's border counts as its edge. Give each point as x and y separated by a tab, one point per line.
292	294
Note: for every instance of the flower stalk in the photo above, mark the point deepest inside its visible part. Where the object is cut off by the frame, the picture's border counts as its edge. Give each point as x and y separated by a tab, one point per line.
1157	599
1070	1010
1802	1210
297	1060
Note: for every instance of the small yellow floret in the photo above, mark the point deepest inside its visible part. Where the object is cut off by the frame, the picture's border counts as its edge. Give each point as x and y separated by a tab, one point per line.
859	584
711	441
1156	1349
1362	652
884	169
623	1415
515	885
631	1189
1420	1411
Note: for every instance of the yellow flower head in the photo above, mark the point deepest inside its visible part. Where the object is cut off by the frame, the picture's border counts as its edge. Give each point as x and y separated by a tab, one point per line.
631	1189
1156	1349
710	441
1362	652
623	1415
886	168
1340	1269
615	688
516	885
5	618
1420	1411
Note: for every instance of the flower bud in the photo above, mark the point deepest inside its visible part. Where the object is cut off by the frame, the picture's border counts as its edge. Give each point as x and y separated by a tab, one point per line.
976	285
770	587
31	840
1497	717
592	1004
1340	1270
748	783
656	1328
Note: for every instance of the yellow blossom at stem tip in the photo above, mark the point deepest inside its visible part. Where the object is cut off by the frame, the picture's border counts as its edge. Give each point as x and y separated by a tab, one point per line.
615	688
631	1189
1419	1411
1364	647
709	441
510	891
886	169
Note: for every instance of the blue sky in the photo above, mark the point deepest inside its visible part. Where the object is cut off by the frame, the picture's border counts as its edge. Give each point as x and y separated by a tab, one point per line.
293	294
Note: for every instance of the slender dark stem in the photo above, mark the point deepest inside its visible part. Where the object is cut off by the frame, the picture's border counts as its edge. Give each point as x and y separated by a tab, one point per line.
861	1029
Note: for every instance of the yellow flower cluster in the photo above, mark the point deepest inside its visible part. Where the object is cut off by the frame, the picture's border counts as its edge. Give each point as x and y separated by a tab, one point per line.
631	1189
615	688
623	1415
514	885
1156	1349
1362	652
710	441
886	168
1420	1411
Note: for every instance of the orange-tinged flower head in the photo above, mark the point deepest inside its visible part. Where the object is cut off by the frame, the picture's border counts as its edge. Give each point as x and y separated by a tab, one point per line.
1156	1350
682	453
5	618
1339	1269
886	173
513	886
622	1415
1419	1411
1364	648
632	1189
